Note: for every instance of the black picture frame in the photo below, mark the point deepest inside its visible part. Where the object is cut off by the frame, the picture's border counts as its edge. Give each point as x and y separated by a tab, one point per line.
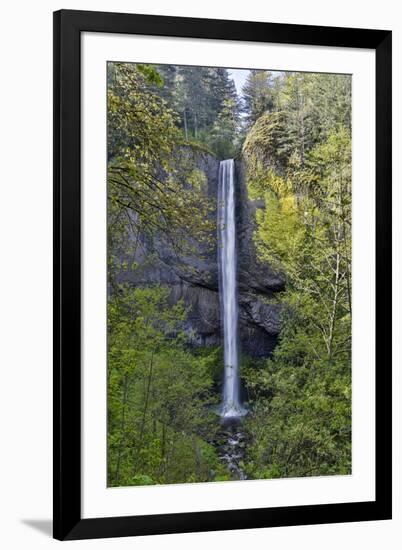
68	522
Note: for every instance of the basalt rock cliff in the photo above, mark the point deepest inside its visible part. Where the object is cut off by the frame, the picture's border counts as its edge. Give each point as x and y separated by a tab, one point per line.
194	278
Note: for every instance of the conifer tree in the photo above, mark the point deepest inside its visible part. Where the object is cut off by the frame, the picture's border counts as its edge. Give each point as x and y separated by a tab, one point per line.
257	95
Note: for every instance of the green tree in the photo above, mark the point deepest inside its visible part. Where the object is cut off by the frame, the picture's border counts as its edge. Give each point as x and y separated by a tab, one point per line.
148	165
159	394
224	131
304	230
200	95
257	95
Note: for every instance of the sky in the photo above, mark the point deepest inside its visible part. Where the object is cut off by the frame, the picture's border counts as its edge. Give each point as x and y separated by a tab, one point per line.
239	76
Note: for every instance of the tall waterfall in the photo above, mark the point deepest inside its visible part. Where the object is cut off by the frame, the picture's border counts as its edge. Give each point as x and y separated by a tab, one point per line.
227	261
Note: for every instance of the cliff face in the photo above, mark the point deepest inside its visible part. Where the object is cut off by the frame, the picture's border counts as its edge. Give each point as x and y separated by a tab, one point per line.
194	278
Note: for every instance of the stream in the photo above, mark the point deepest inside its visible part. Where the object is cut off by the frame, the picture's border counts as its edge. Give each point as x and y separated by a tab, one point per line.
231	447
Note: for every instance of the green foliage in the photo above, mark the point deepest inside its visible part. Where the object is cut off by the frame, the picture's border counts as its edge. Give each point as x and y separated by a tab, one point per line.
264	144
300	421
305	109
150	74
258	95
148	167
299	166
224	130
159	394
206	104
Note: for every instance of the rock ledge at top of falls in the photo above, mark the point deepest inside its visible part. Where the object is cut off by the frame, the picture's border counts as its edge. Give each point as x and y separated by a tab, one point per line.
194	279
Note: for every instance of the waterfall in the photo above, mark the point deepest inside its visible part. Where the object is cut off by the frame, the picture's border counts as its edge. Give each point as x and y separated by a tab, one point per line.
227	262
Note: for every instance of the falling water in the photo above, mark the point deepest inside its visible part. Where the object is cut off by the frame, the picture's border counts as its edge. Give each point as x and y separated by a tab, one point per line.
227	258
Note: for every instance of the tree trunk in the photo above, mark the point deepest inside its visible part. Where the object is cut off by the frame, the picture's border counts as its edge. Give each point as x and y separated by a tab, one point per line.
122	428
195	125
185	123
144	414
334	307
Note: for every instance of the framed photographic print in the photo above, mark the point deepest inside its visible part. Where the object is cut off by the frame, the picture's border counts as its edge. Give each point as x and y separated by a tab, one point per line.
222	205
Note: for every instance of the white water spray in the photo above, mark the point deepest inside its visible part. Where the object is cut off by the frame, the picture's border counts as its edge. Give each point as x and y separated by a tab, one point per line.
227	261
